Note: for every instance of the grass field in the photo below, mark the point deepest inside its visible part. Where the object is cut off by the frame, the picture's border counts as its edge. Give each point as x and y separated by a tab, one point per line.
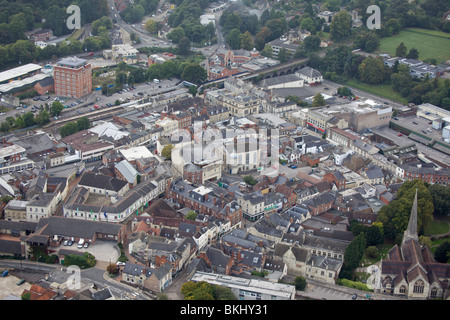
429	43
382	90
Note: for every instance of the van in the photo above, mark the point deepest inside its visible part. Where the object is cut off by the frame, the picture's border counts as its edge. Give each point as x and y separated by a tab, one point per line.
155	80
80	243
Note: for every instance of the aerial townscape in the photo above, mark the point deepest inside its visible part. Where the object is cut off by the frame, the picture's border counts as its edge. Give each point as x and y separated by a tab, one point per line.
225	150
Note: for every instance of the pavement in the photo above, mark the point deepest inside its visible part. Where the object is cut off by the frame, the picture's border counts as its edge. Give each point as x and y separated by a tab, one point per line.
8	286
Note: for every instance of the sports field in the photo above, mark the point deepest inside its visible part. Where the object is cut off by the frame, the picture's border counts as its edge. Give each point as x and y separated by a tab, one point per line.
429	43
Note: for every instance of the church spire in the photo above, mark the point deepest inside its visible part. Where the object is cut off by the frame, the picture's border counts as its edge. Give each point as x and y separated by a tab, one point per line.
411	231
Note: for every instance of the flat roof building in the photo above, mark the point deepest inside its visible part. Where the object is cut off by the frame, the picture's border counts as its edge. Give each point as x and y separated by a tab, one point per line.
19	72
73	77
248	289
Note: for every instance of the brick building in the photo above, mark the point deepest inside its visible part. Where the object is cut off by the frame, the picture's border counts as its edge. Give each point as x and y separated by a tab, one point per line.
73	77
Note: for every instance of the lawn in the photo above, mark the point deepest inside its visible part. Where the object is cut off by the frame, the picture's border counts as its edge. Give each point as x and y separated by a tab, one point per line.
382	90
429	43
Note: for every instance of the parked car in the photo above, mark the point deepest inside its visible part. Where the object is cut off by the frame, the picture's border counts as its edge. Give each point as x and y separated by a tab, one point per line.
86	245
120	263
69	243
66	242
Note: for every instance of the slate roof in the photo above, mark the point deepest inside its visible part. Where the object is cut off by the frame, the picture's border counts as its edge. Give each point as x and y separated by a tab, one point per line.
137	269
100	181
75	227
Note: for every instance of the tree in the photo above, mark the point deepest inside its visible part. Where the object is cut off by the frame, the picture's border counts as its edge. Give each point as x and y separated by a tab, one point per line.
247	41
250	180
112	268
352	256
311	43
400	51
68	129
234	39
184	46
152	26
300	283
56	108
344	91
372	252
267	51
121	79
83	123
441	198
176	34
413	54
341	25
191	215
318	100
195	73
442	252
371	70
395	216
167	151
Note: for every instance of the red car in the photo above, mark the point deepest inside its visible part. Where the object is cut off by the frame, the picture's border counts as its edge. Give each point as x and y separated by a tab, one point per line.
400	135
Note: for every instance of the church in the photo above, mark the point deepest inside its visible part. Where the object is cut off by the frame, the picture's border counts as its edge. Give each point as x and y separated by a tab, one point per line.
409	270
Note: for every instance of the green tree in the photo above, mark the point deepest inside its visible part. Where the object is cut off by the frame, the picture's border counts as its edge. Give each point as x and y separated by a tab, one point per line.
371	70
442	252
352	256
318	100
413	54
184	46
195	73
400	51
311	43
341	25
167	151
56	108
441	198
176	34
121	79
191	215
83	123
247	41
300	283
395	216
234	39
250	180
68	129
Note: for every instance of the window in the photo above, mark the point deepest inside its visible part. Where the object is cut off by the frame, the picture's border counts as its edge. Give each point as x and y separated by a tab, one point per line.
418	286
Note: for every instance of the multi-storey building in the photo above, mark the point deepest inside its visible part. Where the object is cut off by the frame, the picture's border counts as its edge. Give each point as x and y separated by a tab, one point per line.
14	158
73	77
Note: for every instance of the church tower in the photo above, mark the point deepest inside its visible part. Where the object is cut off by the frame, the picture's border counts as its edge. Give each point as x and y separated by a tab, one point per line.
411	231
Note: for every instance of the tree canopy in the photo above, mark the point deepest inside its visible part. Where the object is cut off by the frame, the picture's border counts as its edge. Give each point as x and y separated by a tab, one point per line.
395	216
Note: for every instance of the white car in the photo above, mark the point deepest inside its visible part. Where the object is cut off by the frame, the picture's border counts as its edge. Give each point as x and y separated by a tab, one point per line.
120	263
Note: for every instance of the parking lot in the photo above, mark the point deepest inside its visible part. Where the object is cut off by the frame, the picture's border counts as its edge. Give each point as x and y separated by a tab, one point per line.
103	251
8	286
79	106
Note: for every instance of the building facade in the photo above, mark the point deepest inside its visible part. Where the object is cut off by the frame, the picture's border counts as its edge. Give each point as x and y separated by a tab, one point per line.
73	77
